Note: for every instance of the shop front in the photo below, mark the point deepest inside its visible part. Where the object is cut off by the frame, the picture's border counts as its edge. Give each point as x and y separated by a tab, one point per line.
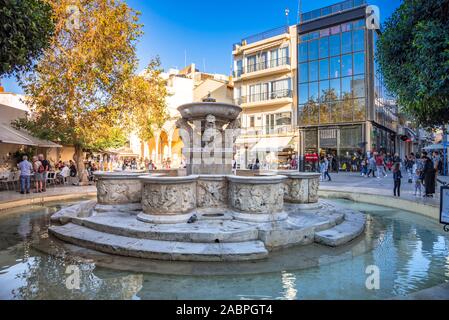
345	144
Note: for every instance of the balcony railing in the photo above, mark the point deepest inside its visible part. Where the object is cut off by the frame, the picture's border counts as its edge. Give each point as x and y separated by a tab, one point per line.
326	11
265	96
267	130
268	64
265	65
262	36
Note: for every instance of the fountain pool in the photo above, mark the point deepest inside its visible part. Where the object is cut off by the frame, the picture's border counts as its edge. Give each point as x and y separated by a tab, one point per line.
412	253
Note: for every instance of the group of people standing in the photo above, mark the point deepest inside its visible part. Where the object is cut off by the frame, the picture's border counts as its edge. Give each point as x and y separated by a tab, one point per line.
421	170
39	168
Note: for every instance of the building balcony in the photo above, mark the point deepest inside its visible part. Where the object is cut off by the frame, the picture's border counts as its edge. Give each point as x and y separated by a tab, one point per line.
265	68
266	98
277	130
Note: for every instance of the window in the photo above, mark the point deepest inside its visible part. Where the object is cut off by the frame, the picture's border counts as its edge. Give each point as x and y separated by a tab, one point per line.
335	89
346	65
313	91
313	71
238	68
252	122
358	86
335	71
284	118
324	69
359	110
346	42
324	47
251	63
324	90
303	72
334	45
359	63
358	40
346	90
303	93
313	50
303	52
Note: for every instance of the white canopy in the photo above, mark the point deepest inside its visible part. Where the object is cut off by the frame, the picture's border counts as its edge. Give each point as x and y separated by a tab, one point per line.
20	137
435	147
273	144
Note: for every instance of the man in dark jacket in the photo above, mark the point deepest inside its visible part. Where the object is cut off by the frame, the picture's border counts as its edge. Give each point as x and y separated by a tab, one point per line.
429	176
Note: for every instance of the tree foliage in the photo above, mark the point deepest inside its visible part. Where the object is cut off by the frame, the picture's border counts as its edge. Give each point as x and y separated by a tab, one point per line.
84	89
413	55
25	31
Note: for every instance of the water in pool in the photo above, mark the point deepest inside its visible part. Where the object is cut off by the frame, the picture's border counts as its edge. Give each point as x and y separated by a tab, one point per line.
411	252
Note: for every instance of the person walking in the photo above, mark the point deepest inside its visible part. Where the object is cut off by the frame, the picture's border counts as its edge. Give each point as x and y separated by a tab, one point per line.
326	169
371	167
38	170
409	163
73	172
26	169
429	176
380	166
364	167
397	176
47	167
417	181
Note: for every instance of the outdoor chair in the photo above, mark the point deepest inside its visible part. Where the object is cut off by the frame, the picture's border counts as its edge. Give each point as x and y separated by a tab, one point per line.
9	180
51	178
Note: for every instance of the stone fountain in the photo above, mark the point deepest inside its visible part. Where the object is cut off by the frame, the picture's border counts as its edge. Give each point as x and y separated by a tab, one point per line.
209	214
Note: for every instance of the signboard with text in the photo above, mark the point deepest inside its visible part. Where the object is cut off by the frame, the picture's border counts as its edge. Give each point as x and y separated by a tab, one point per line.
444	207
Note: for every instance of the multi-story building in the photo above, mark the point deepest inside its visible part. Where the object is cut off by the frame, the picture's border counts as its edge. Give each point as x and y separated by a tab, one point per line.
343	107
314	88
264	86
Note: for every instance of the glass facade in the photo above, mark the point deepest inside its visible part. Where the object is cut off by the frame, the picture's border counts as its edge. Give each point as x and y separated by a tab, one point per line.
331	75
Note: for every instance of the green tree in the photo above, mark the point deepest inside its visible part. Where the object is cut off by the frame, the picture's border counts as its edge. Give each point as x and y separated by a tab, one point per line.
413	55
25	31
84	90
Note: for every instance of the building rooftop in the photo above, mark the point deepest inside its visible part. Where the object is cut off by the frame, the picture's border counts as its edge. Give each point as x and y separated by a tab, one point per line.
332	9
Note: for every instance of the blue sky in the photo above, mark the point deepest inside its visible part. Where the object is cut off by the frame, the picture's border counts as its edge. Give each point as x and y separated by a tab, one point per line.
204	30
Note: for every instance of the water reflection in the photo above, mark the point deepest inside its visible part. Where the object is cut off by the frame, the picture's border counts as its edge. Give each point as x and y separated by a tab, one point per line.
412	254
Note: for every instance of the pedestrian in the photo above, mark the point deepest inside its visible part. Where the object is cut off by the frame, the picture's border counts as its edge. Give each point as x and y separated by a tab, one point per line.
409	163
47	167
73	172
364	167
326	169
322	168
38	170
429	176
417	181
371	167
380	166
256	165
397	176
26	168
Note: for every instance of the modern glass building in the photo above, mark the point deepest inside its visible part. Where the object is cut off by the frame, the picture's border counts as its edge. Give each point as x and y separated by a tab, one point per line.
343	108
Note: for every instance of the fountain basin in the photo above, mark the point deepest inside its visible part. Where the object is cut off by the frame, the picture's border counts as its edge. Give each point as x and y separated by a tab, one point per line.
221	111
301	187
119	187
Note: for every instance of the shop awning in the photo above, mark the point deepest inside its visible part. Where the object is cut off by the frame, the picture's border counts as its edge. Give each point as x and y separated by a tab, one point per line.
244	140
273	144
19	137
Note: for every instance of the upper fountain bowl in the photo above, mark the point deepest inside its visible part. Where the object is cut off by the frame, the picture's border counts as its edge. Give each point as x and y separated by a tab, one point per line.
200	110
